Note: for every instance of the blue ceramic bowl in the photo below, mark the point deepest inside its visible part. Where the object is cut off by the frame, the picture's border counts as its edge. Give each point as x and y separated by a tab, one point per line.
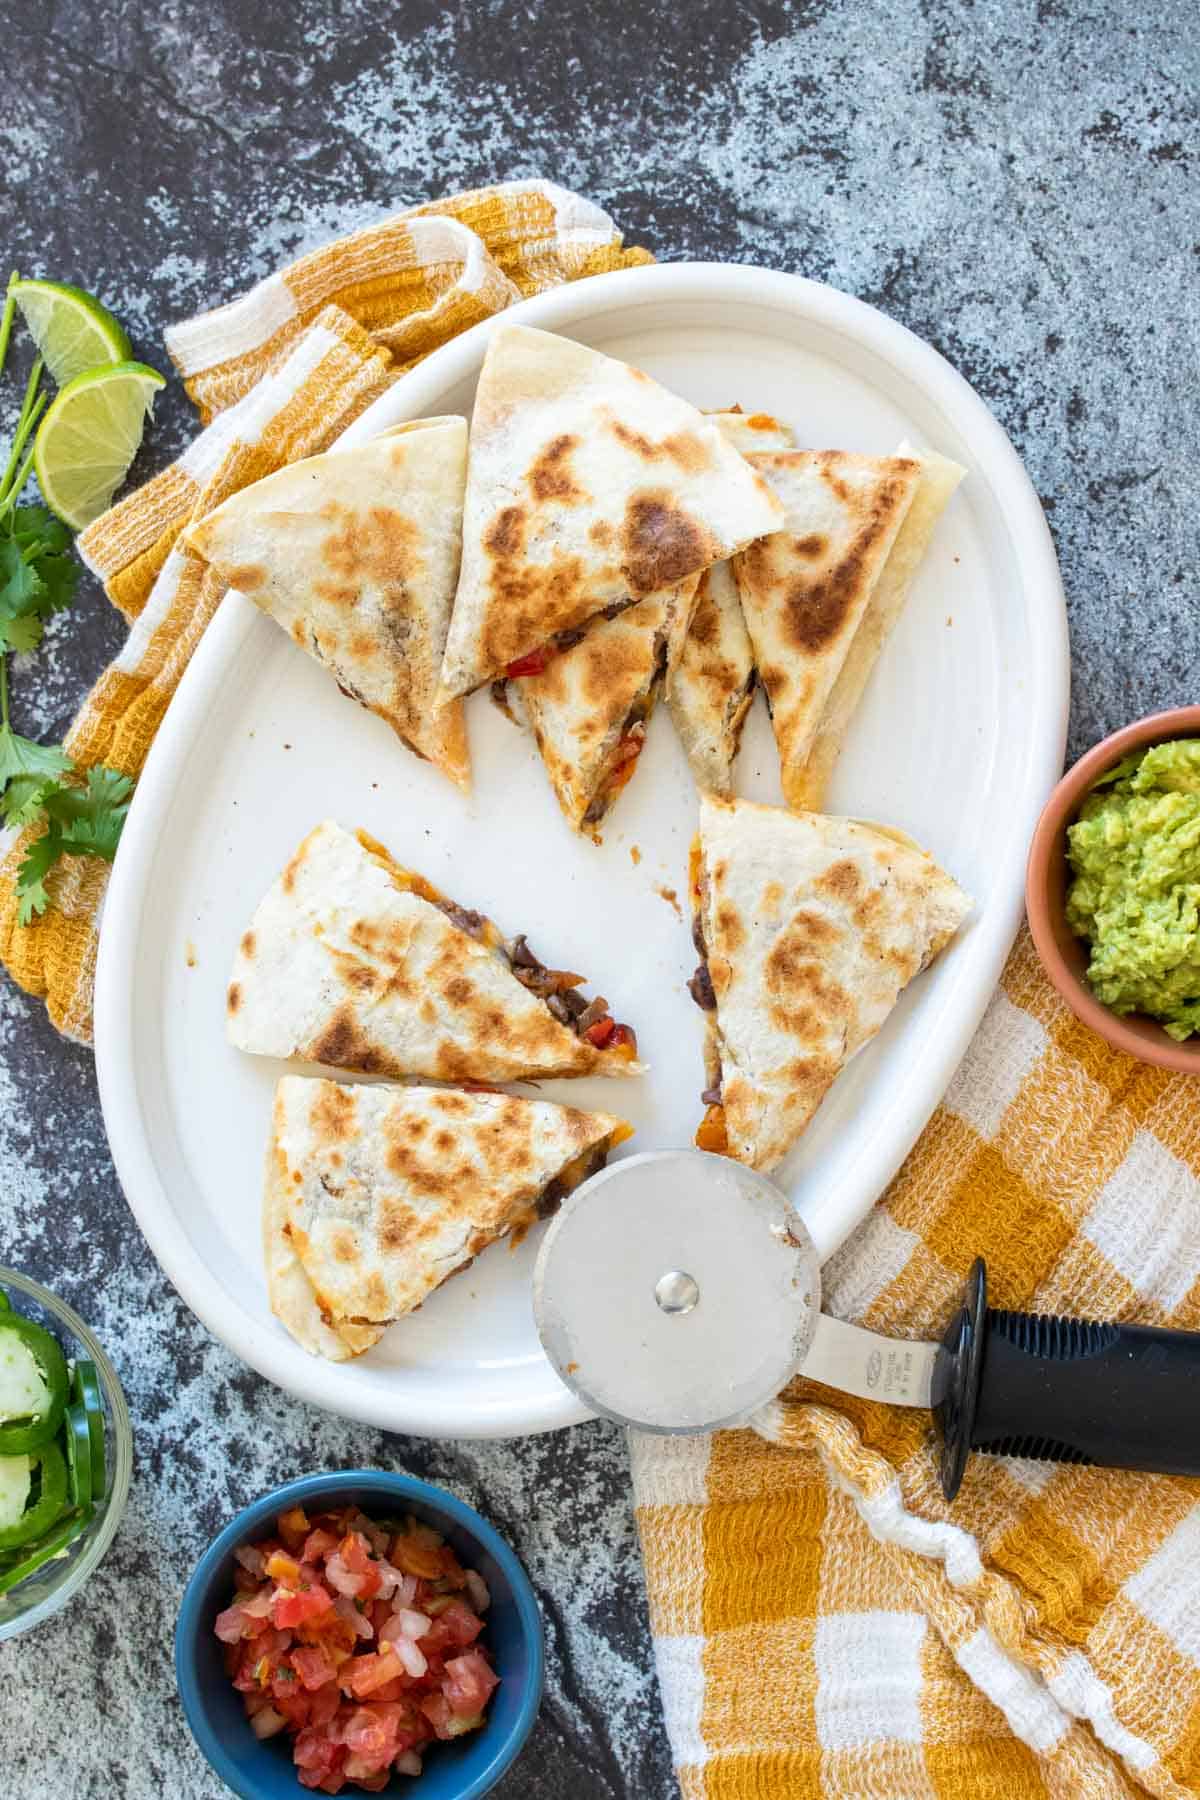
460	1770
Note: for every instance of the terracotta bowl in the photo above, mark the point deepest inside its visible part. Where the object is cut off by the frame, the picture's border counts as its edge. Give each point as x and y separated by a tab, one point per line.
1063	955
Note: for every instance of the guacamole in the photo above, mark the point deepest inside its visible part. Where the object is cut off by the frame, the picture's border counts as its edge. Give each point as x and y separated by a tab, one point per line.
1135	853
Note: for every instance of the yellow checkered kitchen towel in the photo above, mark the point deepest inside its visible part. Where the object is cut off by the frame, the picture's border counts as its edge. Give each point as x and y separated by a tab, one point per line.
824	1623
276	375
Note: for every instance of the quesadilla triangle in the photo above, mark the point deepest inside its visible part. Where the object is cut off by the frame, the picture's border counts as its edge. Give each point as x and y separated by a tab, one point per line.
804	590
353	961
589	489
809	928
375	1196
710	687
355	553
590	707
936	483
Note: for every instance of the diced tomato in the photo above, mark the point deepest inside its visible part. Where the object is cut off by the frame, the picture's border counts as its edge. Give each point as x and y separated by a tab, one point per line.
623	1038
293	1527
231	1624
461	1623
535	663
436	1708
468	1683
600	1033
355	1555
299	1609
318	1544
370	1672
312	1665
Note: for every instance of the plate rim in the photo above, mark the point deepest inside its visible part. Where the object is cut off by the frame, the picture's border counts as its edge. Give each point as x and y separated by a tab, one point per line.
710	283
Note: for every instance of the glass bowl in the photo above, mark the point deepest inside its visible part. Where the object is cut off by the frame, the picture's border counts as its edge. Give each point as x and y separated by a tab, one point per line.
49	1588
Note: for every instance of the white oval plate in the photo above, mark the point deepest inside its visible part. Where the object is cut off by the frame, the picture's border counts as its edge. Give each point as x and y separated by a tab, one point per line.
959	737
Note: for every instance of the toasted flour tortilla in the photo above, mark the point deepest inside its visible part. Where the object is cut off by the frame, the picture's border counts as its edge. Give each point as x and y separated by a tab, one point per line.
355	553
710	688
589	709
352	961
812	927
804	590
375	1195
589	487
936	483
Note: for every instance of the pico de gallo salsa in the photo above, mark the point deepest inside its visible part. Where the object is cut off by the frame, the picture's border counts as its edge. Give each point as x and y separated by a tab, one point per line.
360	1641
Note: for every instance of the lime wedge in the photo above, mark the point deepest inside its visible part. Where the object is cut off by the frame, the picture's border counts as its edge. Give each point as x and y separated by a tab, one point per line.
90	435
72	331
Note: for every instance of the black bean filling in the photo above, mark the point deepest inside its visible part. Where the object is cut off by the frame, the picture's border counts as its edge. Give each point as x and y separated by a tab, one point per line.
565	1004
470	922
700	987
637	716
555	1192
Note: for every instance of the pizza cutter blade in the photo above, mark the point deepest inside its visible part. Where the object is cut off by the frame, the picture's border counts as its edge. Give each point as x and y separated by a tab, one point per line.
678	1291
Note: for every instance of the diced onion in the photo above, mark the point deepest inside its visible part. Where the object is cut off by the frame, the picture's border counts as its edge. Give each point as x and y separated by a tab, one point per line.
477	1588
413	1625
347	1610
389	1579
342	1579
266	1722
411	1656
251	1559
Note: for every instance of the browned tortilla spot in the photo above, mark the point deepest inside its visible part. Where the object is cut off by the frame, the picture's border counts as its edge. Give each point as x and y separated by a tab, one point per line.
841	881
452	1103
377	546
550	476
234	997
458	990
505	536
813	545
398	1224
729	925
662	544
344	1046
343	1246
443	1140
248	943
333	1114
601	533
684	448
248	577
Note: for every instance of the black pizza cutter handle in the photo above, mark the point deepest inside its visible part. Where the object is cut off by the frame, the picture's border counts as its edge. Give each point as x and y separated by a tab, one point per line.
1064	1390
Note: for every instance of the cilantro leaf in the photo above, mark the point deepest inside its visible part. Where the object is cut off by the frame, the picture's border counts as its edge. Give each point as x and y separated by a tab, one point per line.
21	634
38	525
21	756
91	817
59	577
20	583
21	801
40	858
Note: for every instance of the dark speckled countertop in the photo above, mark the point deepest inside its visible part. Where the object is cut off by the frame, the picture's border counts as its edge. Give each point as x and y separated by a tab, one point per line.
1014	179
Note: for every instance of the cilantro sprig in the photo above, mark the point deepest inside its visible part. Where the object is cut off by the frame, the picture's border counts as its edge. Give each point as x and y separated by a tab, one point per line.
82	812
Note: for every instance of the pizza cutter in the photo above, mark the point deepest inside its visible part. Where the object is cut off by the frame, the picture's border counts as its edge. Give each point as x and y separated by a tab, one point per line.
678	1291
